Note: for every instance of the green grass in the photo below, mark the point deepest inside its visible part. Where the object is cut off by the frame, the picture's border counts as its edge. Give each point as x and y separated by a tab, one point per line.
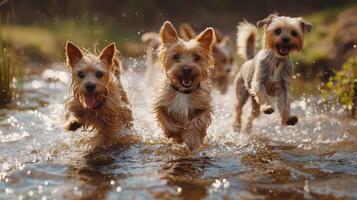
10	71
316	43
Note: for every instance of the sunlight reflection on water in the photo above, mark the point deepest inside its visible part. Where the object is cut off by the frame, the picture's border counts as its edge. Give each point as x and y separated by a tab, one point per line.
39	161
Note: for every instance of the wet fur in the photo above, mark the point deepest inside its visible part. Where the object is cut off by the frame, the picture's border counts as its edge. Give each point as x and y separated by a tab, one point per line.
114	112
184	117
267	74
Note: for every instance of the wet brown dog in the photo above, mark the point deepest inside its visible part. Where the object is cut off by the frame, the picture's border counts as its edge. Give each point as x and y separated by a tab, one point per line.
97	98
222	54
183	107
268	73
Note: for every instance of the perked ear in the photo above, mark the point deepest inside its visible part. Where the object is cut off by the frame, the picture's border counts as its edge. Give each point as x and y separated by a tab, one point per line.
226	41
267	20
107	54
305	26
218	35
187	32
168	33
206	38
73	54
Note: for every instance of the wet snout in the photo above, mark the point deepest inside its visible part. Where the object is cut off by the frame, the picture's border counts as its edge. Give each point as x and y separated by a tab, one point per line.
90	87
285	40
186	70
186	75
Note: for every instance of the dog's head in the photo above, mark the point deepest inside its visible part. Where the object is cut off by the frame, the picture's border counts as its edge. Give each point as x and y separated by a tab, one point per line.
284	34
221	49
91	74
186	63
223	56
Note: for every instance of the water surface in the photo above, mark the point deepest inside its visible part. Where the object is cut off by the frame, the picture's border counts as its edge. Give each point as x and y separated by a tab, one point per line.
317	159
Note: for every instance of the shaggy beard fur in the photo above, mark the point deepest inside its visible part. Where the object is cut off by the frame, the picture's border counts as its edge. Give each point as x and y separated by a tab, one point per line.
111	112
182	111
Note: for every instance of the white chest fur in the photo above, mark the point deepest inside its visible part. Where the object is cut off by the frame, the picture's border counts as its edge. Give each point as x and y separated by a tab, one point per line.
275	70
180	105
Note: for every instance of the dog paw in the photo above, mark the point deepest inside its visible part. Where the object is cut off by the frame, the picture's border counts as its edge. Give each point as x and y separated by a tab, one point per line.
267	109
193	141
73	126
291	121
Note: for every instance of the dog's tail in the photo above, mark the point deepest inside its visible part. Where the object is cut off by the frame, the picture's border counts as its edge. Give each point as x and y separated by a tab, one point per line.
247	37
151	38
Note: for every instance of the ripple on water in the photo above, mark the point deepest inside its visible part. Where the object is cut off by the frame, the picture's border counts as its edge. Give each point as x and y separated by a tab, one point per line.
315	159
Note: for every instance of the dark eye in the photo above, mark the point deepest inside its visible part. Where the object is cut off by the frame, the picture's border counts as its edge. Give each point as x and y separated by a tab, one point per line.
223	60
99	74
294	33
196	57
176	57
277	31
81	74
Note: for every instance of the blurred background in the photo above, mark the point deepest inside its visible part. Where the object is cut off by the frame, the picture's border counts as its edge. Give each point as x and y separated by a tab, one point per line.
33	33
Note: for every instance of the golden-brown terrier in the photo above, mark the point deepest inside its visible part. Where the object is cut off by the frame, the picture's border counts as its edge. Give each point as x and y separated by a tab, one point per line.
183	106
222	54
268	74
97	99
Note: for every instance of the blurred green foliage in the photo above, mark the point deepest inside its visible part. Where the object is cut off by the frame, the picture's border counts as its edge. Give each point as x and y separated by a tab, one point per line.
10	70
344	84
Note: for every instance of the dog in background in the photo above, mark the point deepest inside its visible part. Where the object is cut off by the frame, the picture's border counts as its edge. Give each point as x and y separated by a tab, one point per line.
268	73
152	42
183	106
222	54
97	98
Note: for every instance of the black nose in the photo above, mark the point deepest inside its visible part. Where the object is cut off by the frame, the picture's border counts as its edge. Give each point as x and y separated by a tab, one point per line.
286	40
186	71
228	70
90	87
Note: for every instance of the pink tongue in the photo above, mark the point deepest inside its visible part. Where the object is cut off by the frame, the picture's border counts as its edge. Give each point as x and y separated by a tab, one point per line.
90	100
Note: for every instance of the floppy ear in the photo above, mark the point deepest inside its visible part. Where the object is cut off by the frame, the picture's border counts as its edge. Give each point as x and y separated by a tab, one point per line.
267	20
305	26
73	54
187	32
107	54
206	38
218	35
168	33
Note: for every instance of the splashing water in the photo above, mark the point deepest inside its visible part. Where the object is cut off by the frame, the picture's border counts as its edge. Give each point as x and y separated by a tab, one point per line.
316	159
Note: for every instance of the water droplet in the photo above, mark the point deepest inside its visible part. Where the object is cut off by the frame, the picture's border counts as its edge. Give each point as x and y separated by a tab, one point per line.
118	189
179	190
112	182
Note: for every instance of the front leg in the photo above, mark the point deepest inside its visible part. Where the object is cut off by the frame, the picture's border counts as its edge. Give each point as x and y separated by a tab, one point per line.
196	130
72	123
71	120
258	89
284	106
171	128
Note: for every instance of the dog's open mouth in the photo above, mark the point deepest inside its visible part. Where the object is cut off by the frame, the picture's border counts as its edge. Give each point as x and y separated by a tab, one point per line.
90	100
283	50
186	82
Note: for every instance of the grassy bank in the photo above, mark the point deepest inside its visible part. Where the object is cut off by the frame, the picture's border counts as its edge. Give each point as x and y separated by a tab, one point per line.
10	70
